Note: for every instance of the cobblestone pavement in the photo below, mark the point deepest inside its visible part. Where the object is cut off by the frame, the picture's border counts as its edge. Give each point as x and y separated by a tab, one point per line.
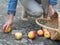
21	26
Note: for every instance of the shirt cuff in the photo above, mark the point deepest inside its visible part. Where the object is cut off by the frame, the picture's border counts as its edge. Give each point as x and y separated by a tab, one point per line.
11	12
53	2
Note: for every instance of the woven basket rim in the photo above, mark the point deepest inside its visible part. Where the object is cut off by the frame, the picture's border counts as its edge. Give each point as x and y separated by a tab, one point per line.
55	29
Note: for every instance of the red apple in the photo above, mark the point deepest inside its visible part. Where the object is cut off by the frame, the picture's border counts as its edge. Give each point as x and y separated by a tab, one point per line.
32	34
45	30
40	32
5	28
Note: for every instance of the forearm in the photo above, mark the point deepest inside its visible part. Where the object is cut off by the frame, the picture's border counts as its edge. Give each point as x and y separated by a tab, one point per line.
11	16
12	7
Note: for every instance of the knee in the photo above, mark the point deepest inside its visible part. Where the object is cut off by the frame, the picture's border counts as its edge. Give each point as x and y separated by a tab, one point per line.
36	11
39	11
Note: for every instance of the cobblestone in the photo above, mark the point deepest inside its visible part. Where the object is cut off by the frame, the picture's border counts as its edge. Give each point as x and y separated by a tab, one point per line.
21	26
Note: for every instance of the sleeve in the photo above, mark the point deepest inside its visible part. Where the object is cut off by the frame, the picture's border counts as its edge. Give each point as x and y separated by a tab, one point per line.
12	4
52	2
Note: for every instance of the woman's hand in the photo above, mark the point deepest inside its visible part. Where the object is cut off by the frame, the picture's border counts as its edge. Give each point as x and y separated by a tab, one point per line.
9	22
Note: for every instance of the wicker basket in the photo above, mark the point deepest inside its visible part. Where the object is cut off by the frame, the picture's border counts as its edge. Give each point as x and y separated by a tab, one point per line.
52	25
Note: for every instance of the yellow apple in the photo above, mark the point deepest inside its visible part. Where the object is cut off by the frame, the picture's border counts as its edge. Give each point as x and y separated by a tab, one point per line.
47	34
32	34
40	32
18	35
8	29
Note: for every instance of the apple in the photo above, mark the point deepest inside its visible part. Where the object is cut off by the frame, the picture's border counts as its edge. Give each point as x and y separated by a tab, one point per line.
18	35
40	32
47	34
32	34
8	29
45	30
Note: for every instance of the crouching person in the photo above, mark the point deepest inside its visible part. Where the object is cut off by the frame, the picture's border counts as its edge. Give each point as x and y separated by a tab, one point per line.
31	6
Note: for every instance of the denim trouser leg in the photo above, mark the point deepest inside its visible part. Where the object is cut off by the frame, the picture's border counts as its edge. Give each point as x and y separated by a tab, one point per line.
45	4
33	8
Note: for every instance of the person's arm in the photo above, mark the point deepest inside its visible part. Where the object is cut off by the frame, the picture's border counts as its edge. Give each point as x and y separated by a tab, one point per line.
52	12
11	12
12	4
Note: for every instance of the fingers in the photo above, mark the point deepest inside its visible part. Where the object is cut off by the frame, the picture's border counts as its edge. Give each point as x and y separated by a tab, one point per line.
55	15
5	26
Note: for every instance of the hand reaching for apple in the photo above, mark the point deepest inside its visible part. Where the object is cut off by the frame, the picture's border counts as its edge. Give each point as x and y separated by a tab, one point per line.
7	26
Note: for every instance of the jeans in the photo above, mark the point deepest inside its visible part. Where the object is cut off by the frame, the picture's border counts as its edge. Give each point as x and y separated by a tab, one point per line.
33	7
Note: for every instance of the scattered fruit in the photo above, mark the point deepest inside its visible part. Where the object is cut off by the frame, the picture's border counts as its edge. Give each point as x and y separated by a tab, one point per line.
8	29
18	35
40	32
47	34
45	30
32	34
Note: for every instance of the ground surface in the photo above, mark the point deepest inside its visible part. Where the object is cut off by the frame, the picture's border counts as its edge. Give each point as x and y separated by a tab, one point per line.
21	26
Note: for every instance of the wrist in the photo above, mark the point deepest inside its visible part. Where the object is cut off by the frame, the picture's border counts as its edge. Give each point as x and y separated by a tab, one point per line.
10	17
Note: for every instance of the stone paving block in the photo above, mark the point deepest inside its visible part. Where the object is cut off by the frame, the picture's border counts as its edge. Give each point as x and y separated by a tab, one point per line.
21	26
